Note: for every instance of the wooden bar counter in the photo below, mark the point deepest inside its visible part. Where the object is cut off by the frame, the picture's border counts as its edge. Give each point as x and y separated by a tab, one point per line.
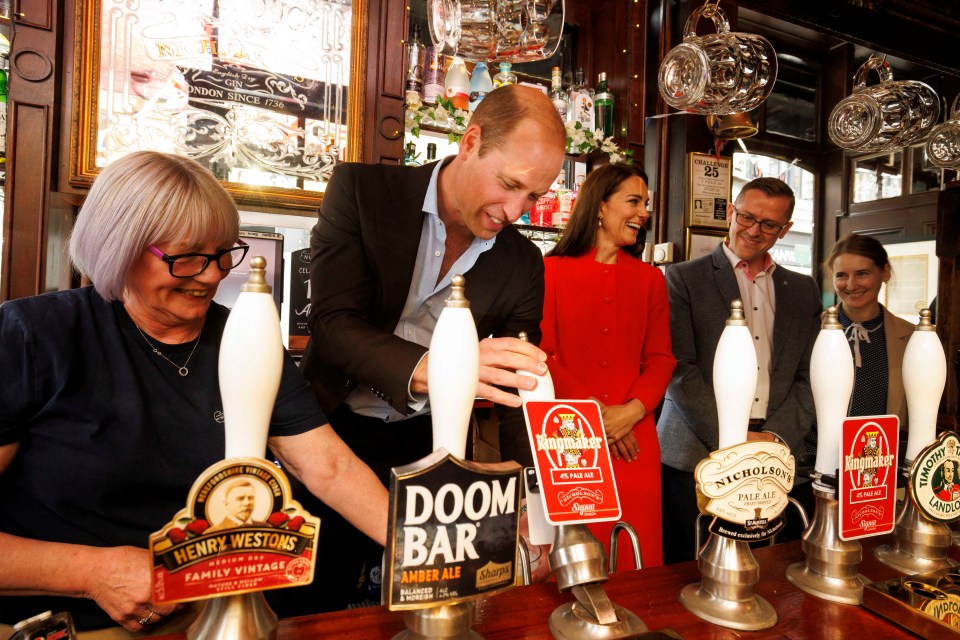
652	594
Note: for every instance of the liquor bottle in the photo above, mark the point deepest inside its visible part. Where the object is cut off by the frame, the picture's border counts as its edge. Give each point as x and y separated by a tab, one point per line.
413	88
557	96
433	74
505	76
542	213
3	107
564	205
580	103
410	155
431	151
603	106
480	84
456	86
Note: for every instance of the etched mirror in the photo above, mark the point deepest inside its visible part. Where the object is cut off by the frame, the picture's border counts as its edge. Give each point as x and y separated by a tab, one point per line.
266	93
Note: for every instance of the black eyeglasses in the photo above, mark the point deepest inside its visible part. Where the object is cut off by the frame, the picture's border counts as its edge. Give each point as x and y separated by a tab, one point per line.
767	226
188	265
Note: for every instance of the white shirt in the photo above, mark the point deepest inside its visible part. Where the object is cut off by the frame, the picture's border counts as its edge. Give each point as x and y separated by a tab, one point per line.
759	307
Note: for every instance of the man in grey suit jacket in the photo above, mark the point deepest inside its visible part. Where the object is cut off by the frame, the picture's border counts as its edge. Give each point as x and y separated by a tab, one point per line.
782	309
385	247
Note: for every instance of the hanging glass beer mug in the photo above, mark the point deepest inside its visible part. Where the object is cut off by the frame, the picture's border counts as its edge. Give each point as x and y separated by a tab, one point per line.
496	30
884	116
943	144
720	73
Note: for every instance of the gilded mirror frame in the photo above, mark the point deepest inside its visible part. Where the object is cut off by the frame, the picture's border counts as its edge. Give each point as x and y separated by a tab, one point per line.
84	130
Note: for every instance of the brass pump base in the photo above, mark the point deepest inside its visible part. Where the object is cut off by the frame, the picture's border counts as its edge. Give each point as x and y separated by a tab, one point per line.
577	563
445	622
572	621
921	544
725	594
830	570
237	617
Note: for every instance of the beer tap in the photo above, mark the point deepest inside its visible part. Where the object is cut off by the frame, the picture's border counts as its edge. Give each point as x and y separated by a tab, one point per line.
725	595
921	543
453	372
251	360
830	570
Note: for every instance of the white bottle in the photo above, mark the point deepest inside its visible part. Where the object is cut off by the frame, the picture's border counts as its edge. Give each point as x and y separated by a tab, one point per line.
480	84
580	103
453	372
250	364
544	389
456	86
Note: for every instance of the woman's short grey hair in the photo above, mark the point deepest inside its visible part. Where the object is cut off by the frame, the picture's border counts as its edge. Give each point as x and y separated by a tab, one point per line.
147	198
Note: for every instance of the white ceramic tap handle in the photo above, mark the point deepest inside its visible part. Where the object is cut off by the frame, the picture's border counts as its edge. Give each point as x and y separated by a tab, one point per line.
734	377
453	372
544	389
831	379
251	361
924	376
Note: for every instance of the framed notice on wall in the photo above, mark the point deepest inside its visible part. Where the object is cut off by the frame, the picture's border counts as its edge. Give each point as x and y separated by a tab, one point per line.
709	182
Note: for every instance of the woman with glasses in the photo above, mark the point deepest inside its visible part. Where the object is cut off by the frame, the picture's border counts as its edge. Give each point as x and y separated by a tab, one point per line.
859	266
110	404
606	330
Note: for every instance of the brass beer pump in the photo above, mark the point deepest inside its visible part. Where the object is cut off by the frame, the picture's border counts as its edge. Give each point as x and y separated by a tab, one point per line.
725	594
251	360
831	567
921	544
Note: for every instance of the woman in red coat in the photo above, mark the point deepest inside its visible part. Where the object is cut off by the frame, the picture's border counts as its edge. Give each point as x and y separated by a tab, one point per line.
606	328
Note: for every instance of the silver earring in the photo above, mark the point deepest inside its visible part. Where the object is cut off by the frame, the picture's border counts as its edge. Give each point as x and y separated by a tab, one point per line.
599	221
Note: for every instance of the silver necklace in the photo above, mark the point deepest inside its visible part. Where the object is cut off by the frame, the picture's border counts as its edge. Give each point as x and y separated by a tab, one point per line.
181	369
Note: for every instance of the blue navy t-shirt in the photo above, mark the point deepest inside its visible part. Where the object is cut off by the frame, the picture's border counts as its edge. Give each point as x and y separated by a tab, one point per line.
111	435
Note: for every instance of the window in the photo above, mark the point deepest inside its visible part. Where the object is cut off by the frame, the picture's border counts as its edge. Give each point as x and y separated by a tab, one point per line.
891	174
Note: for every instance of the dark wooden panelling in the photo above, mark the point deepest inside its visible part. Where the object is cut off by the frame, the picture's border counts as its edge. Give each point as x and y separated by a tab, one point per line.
35	13
26	203
32	109
948	298
383	136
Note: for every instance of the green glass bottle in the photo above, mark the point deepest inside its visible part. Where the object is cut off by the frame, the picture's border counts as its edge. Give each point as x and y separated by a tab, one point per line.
603	105
3	108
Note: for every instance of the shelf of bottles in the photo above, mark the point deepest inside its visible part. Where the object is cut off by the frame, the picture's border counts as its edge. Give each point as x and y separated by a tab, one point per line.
432	133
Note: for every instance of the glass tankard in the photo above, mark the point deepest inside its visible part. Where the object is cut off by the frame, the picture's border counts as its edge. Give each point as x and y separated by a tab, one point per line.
496	30
884	116
720	73
943	145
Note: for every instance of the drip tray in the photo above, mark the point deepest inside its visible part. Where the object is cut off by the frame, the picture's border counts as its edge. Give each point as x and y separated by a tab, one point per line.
927	604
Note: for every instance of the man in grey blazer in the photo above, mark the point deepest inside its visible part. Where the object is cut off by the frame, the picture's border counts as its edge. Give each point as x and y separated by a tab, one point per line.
387	242
782	309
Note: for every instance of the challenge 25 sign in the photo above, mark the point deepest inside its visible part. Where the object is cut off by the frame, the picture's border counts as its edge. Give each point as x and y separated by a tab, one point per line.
709	183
